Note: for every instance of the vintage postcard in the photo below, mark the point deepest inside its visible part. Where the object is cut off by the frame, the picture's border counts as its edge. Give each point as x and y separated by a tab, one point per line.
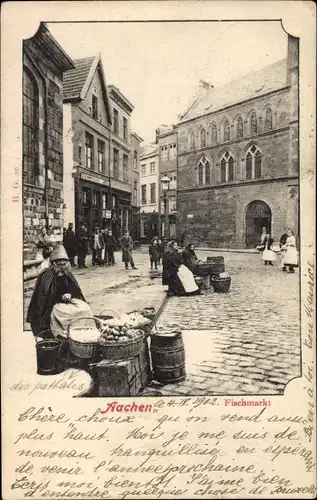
158	250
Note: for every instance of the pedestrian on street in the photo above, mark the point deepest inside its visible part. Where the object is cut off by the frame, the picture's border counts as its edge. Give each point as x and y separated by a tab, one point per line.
70	244
290	257
127	246
111	245
161	250
82	245
179	278
154	253
97	245
104	254
269	256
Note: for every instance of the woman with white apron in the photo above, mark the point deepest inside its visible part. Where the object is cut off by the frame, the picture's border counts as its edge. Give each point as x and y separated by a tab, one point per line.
290	254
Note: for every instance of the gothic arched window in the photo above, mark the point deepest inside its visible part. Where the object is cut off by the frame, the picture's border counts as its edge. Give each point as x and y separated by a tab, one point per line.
226	131
239	127
30	127
202	138
227	167
204	171
214	133
253	163
268	125
253	124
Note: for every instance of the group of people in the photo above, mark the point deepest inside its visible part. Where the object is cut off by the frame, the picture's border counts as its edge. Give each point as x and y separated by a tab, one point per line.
287	249
102	242
179	270
103	245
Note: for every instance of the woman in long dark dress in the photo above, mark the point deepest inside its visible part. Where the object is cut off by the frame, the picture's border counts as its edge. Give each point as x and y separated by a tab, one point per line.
54	285
190	258
172	262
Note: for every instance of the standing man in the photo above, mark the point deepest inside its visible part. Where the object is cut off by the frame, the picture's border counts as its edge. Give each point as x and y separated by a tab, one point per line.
97	244
70	244
110	246
82	245
127	246
105	239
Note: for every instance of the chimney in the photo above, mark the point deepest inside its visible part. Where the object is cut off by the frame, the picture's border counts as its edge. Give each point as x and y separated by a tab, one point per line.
205	85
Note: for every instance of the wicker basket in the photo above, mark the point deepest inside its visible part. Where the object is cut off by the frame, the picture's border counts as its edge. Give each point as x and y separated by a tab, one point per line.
221	285
83	350
121	350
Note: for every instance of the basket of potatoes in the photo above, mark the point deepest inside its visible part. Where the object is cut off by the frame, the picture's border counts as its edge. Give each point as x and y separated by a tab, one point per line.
120	342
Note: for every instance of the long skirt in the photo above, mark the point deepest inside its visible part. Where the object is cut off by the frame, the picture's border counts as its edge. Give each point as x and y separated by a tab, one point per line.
269	255
290	257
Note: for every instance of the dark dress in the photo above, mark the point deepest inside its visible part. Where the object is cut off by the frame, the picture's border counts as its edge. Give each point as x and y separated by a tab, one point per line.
154	252
70	244
82	246
172	261
48	291
190	260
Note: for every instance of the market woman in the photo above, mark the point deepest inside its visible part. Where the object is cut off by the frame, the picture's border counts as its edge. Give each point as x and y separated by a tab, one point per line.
57	298
190	258
290	255
179	278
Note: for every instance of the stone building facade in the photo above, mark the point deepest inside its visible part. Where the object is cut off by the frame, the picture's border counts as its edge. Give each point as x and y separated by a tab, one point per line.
149	192
135	229
87	119
44	62
166	138
120	161
238	158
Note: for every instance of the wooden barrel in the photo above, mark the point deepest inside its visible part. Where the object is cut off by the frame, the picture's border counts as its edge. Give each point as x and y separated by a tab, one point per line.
168	358
218	265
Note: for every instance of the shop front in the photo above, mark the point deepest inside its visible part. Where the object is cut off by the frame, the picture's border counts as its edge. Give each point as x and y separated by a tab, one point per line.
92	198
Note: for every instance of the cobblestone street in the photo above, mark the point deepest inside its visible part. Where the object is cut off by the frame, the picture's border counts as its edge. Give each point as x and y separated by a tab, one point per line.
243	342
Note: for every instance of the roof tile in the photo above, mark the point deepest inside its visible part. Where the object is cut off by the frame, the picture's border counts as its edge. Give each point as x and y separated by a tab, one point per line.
75	79
250	85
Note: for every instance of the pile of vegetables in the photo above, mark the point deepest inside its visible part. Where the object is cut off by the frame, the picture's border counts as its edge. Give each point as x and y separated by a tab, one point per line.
119	334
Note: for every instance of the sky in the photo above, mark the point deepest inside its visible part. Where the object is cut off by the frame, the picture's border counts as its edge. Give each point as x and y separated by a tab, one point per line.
157	66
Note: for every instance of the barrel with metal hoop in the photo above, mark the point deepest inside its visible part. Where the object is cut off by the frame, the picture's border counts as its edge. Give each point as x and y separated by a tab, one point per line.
168	357
49	352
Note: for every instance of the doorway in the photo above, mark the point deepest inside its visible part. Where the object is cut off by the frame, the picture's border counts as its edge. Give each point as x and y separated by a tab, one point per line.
258	215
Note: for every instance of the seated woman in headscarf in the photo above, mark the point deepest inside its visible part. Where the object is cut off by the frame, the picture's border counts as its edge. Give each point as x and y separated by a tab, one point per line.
178	277
57	298
190	258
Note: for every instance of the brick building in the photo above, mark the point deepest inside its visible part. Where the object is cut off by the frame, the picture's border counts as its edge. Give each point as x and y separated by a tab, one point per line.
87	131
135	208
44	62
166	138
238	158
120	161
149	192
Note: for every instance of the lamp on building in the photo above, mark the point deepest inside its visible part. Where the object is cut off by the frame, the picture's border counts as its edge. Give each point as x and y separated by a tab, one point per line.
165	184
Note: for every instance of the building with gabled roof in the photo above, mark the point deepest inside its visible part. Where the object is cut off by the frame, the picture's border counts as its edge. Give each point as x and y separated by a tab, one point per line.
237	162
98	183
